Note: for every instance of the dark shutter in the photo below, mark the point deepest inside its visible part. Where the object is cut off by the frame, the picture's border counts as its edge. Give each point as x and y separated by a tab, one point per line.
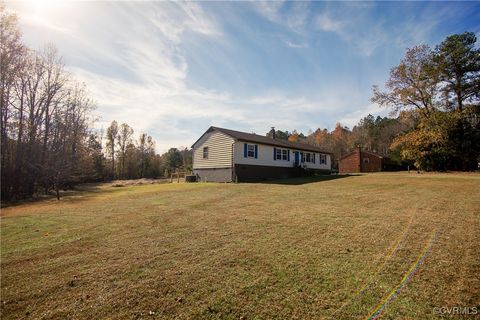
314	157
274	153
288	157
256	151
244	150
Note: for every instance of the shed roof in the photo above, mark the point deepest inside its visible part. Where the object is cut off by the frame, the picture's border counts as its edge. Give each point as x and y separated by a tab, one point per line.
255	138
362	151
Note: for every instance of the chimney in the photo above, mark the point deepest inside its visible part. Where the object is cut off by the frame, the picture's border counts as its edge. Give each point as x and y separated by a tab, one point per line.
272	133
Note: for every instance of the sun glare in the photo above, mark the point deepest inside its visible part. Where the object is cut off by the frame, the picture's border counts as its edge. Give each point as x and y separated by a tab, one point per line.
41	4
45	6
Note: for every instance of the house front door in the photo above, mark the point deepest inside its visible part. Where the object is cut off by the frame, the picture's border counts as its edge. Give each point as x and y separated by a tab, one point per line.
297	158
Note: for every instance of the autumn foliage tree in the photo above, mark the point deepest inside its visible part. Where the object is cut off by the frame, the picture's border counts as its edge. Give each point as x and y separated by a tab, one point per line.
294	136
440	88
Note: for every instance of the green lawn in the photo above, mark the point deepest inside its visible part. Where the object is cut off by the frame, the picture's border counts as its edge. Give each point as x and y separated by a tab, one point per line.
326	249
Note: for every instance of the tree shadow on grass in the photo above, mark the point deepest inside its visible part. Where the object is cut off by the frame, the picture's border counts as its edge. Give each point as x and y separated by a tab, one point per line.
72	194
77	193
305	180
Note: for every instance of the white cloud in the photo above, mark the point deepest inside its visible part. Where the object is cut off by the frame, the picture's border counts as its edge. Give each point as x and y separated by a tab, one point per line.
148	108
269	9
298	15
419	30
351	119
294	19
173	19
358	24
296	45
326	23
38	21
139	59
346	25
152	95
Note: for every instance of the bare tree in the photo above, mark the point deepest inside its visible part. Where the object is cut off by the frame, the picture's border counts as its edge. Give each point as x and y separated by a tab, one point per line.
112	133
45	115
124	134
146	150
11	66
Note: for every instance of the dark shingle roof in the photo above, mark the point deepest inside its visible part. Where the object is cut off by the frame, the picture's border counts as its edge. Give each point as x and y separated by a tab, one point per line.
363	151
255	138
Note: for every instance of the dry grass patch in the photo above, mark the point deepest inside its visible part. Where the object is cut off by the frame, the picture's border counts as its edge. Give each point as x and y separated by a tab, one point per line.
251	251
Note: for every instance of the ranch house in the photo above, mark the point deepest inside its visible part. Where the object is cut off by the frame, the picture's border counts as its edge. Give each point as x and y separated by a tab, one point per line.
223	155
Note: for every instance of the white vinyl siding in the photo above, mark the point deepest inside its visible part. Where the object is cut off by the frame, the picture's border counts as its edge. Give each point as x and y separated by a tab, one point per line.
265	157
219	151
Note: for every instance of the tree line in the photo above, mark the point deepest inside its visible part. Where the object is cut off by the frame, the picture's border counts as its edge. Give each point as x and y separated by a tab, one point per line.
124	157
46	121
45	114
434	100
374	134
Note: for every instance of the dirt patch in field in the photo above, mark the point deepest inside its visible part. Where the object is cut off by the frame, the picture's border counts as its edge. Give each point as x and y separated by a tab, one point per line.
136	182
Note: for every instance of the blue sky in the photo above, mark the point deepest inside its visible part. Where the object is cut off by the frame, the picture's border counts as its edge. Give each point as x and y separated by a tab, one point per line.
174	69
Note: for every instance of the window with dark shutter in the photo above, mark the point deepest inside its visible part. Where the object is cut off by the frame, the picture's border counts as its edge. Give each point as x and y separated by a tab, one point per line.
323	159
250	150
308	157
278	154
281	154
